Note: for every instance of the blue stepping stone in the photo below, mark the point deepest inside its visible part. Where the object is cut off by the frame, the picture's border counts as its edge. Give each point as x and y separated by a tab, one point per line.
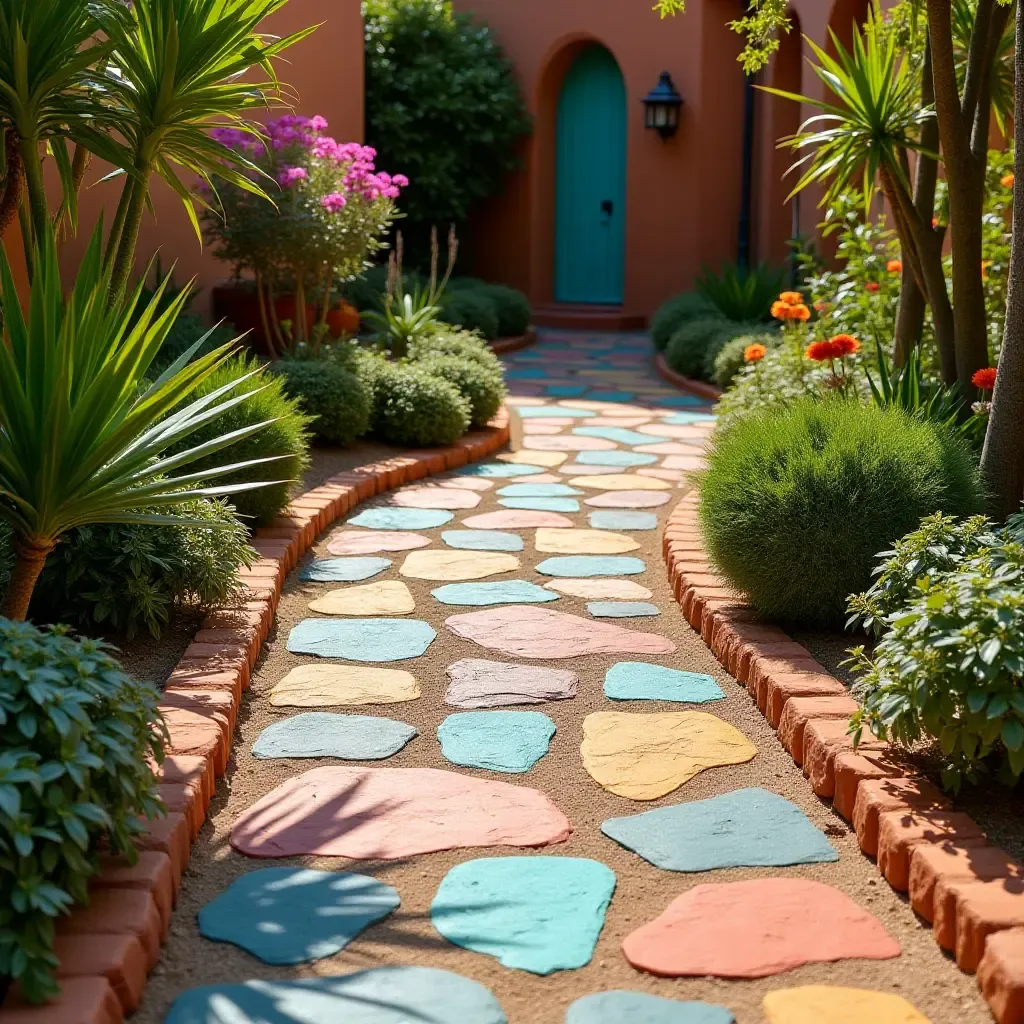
612	396
295	915
640	680
681	401
527	373
500	592
591	565
483	540
528	412
746	828
611	519
500	741
343	570
542	504
382	995
502	469
401	518
566	390
325	734
683	419
622	609
620	435
539	491
362	639
615	458
621	1007
537	914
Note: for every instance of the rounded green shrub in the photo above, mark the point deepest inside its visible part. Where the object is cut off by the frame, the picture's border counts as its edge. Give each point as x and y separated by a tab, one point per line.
512	308
413	407
673	314
332	395
730	361
696	344
796	504
473	309
484	391
460	343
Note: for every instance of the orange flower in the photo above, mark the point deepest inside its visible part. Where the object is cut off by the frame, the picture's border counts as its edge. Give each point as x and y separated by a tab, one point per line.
872	286
821	305
845	344
754	353
800	312
1006	181
784	311
894	266
984	379
791	298
985	264
822	351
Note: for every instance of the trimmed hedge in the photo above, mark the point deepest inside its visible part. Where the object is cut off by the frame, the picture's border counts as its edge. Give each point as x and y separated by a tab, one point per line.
484	390
460	343
673	314
730	361
335	399
696	344
472	309
412	407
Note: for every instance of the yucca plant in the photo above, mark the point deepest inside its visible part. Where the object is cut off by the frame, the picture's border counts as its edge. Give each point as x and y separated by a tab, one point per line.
741	294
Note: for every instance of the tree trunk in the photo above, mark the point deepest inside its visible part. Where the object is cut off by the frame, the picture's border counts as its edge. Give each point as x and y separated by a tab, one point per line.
909	316
30	557
11	199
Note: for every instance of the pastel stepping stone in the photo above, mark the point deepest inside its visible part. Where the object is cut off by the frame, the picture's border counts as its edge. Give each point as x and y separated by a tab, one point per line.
566	390
621	1007
389	597
620	435
584	542
646	756
578	468
591	565
756	929
482	540
500	741
467	483
534	458
640	680
567	443
695	431
500	470
553	412
671	448
613	396
536	914
628	499
457	565
538	427
382	995
527	373
516	519
545	478
745	828
830	1004
502	592
435	498
476	683
622	609
326	686
355	542
684	400
611	520
362	639
621	482
539	491
401	518
321	734
391	813
618	421
616	458
526	631
601	589
542	504
343	570
682	419
296	915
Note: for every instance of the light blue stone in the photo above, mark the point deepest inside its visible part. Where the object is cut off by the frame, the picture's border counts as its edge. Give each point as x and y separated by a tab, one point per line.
501	592
566	390
343	570
528	412
620	435
612	396
621	1007
746	828
295	915
640	680
542	504
500	470
612	519
622	609
325	734
683	419
536	914
616	458
500	741
591	565
483	540
382	995
401	518
539	491
362	639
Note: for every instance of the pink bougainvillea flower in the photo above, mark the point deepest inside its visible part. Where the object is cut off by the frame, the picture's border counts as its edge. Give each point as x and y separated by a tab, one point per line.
333	202
290	175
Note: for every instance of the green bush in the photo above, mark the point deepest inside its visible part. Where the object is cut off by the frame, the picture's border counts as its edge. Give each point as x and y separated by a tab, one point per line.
696	343
185	332
76	735
334	397
285	437
741	294
412	407
674	313
511	307
472	309
455	342
367	291
480	387
730	361
795	505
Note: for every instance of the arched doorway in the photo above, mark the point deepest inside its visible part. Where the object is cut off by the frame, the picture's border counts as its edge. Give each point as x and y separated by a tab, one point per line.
590	181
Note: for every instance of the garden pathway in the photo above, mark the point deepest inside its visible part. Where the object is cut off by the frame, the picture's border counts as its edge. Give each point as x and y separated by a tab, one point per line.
486	771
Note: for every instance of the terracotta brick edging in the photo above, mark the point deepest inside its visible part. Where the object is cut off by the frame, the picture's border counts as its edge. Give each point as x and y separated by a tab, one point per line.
107	949
697	387
502	345
971	892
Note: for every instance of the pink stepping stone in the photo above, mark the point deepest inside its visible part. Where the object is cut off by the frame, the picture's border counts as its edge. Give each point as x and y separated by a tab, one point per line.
516	519
568	443
388	813
685	462
578	469
657	473
669	448
533	427
617	421
366	542
467	483
629	499
545	478
671	430
551	421
755	929
435	497
524	631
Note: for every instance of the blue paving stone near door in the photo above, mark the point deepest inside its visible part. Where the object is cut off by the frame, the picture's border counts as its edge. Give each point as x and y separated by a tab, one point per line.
745	828
325	734
591	565
500	592
622	609
501	470
682	401
500	741
542	504
382	995
622	1007
561	412
640	680
526	373
612	396
616	458
620	435
566	390
343	570
362	639
401	518
611	519
537	914
684	419
295	915
539	491
483	540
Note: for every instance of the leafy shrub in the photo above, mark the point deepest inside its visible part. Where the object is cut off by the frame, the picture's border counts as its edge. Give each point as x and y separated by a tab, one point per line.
472	309
511	307
696	344
76	734
730	361
484	390
673	314
128	576
741	294
366	292
284	437
412	407
464	344
185	332
794	505
458	284
334	398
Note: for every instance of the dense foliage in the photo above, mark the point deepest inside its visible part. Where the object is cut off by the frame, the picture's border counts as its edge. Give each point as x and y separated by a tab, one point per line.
736	354
472	309
695	345
464	344
484	390
740	294
673	314
331	395
411	407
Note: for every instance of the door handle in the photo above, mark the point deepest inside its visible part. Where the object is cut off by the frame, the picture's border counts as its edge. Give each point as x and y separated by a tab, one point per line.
607	207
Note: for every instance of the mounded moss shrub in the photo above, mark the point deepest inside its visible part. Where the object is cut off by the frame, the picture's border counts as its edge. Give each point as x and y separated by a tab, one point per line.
730	361
479	386
511	307
460	343
674	313
795	505
696	343
335	398
472	309
413	407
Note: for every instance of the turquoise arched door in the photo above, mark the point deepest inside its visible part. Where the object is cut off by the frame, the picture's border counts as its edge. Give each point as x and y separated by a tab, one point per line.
590	181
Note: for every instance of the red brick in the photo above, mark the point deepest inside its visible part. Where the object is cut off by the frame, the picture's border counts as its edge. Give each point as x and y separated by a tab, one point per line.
454	457
238	618
850	769
220	704
185	678
81	1001
713	613
306	529
779	687
169	835
966	913
188	799
434	459
118	958
218	658
1001	975
151	872
881	796
753	650
935	864
900	831
118	912
198	732
823	740
242	636
798	711
186	768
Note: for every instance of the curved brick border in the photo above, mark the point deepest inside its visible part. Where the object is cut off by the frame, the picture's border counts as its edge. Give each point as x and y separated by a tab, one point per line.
971	892
697	387
502	345
107	949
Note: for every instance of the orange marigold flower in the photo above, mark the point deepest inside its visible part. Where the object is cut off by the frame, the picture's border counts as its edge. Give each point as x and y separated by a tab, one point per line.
821	351
791	298
780	310
872	286
985	379
845	344
754	353
1006	181
894	266
800	312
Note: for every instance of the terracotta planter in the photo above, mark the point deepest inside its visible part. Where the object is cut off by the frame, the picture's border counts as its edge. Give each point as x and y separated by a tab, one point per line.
343	319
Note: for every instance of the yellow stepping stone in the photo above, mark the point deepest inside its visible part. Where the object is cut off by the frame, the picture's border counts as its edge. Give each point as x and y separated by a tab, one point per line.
827	1004
584	542
621	482
607	589
645	756
389	597
532	458
457	565
325	686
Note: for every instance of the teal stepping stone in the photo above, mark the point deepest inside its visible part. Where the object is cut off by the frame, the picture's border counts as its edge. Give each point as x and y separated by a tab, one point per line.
502	470
745	828
612	396
622	609
539	491
483	540
536	914
382	995
591	565
542	504
500	592
362	639
295	915
620	435
528	412
616	458
621	1007
566	390
500	741
677	401
683	419
343	570
401	518
639	680
325	734
610	519
527	373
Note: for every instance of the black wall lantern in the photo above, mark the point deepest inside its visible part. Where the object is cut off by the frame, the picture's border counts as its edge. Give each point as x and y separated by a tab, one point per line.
661	107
